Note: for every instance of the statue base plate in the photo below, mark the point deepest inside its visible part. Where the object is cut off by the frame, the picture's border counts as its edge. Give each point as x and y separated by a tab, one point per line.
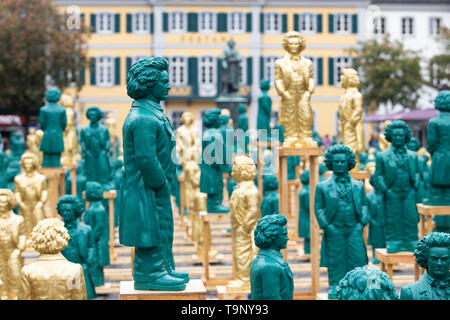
195	290
223	294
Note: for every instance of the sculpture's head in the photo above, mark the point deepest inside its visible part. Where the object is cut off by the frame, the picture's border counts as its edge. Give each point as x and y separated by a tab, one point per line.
293	42
270	182
69	207
242	108
244	169
386	123
231	43
264	84
31	131
94	113
49	236
349	78
432	253
211	119
413	144
442	101
94	191
149	78
53	95
340	159
66	101
187	118
398	133
8	200
366	283
224	116
304	178
192	173
271	232
29	162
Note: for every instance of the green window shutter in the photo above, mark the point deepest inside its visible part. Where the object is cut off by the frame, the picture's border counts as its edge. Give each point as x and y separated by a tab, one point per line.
128	64
296	22
117	23
248	22
151	22
192	22
261	68
117	71
129	22
319	23
92	70
331	23
82	76
284	22
222	22
261	22
320	71
330	71
165	22
192	74
354	23
93	19
249	71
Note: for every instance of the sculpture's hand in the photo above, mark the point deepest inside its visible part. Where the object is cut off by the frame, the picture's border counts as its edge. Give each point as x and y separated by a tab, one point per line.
287	95
330	229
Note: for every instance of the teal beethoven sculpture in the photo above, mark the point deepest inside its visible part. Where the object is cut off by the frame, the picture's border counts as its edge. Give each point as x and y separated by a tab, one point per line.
95	146
397	177
264	109
211	181
341	211
377	237
81	247
146	217
303	219
96	217
242	136
271	198
53	121
366	283
433	254
438	145
270	275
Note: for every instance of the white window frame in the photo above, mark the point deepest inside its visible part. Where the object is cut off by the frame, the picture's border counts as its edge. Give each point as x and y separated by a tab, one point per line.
338	66
98	21
313	59
98	74
232	15
173	28
337	17
312	20
208	88
213	18
407	26
379	26
181	63
267	18
146	19
269	68
434	26
138	57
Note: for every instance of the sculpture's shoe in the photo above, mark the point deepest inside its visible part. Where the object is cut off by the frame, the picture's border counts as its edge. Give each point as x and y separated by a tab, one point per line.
375	261
217	209
305	143
394	246
238	285
179	275
163	283
332	293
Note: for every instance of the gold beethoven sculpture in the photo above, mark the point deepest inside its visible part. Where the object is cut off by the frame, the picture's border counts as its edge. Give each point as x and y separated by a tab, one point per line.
244	215
34	139
350	125
294	82
51	277
383	144
31	192
12	244
69	155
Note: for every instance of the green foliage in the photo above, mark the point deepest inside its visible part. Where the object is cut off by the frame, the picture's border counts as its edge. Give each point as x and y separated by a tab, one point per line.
37	50
439	65
390	74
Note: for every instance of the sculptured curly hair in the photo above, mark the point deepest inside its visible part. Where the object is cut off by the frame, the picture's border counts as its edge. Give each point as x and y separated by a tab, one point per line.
12	201
49	236
431	240
244	168
270	182
339	148
210	118
29	155
396	124
94	191
53	95
442	101
97	110
268	228
293	34
144	74
366	283
74	201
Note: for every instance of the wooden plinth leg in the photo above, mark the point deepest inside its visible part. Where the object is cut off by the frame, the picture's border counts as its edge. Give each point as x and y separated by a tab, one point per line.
417	272
429	224
73	175
390	271
206	244
314	226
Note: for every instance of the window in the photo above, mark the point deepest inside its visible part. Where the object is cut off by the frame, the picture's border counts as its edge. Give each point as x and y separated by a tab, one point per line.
105	71
175	116
307	22
177	21
207	76
272	22
105	23
407	26
314	65
379	25
435	25
269	68
178	70
136	58
342	23
207	21
141	23
236	21
341	62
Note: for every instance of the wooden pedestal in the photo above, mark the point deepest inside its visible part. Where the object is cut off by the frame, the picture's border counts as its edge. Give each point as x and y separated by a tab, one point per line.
389	259
429	211
195	290
223	294
56	179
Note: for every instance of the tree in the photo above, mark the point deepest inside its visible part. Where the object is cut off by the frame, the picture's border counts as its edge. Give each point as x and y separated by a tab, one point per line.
439	65
37	50
390	74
